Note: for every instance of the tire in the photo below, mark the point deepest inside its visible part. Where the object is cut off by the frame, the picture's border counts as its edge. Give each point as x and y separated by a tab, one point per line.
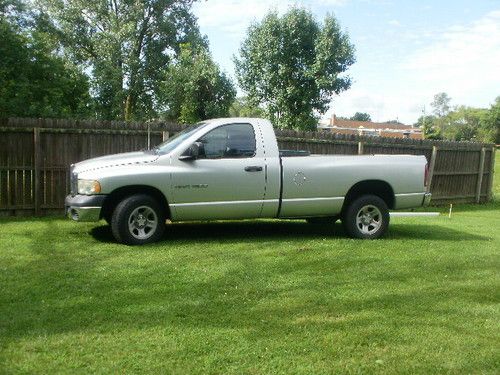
367	217
137	220
322	220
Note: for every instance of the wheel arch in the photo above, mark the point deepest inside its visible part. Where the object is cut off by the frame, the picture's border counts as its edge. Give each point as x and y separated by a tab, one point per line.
380	188
117	195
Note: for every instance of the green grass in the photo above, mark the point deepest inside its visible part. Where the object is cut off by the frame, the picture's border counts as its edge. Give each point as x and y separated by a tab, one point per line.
255	297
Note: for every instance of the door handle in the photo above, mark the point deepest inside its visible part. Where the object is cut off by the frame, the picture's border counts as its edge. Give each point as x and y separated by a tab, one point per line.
253	168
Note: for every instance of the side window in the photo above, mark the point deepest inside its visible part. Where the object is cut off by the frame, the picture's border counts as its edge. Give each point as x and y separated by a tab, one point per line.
229	141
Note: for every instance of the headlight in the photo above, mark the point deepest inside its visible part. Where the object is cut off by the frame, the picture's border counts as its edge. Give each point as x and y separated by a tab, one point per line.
89	187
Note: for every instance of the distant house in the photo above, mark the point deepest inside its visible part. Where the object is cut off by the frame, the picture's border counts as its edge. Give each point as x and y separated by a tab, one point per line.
376	129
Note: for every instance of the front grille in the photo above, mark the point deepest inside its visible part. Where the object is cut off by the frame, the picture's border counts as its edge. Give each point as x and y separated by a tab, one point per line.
73	180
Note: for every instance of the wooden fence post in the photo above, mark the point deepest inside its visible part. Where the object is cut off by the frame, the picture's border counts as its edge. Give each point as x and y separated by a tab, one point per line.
361	147
491	174
36	170
430	171
149	136
480	175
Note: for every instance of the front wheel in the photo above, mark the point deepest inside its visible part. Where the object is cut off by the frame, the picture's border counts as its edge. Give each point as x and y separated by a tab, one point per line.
137	220
367	217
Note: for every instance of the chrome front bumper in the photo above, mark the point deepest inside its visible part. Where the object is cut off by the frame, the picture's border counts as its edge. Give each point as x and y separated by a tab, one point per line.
427	199
84	207
84	213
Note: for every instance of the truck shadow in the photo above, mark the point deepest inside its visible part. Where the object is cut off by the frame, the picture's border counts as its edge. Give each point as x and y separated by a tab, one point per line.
428	232
286	230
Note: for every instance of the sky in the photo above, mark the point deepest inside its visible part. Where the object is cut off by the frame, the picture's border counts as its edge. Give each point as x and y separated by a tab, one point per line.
406	51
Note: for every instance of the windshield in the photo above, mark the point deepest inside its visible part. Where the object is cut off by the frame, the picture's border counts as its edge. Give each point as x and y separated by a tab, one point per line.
172	143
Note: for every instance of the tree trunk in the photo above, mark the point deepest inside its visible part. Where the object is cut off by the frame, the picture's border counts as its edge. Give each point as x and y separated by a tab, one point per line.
128	108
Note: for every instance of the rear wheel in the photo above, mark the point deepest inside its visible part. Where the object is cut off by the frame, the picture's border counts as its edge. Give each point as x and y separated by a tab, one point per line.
367	217
137	220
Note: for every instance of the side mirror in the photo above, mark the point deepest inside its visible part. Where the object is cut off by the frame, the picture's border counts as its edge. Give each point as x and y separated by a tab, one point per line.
192	152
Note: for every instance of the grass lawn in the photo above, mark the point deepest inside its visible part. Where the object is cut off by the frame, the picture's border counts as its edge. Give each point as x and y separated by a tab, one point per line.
253	297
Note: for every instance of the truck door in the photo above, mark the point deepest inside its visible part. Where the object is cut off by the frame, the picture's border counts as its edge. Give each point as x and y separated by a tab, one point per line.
227	180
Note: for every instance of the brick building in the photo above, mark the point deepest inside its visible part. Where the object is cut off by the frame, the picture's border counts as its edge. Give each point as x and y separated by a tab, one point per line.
376	129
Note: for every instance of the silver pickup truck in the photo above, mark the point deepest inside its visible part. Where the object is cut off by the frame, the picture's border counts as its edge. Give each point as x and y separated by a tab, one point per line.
232	169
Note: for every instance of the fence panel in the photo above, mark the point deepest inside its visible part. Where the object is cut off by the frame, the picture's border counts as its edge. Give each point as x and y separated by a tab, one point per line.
16	169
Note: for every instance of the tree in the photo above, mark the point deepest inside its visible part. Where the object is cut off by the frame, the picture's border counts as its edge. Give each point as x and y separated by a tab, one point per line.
361	116
34	81
463	123
441	104
195	89
429	128
292	66
490	131
127	46
242	107
13	12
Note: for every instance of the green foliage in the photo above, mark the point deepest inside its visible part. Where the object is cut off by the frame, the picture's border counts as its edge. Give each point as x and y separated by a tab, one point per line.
361	116
14	12
461	123
491	124
127	45
242	107
292	65
195	89
34	81
429	127
441	104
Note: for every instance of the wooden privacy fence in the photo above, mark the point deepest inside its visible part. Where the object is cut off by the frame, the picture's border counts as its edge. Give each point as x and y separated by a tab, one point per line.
35	155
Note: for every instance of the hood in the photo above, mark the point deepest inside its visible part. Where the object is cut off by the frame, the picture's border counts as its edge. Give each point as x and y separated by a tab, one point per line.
128	158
